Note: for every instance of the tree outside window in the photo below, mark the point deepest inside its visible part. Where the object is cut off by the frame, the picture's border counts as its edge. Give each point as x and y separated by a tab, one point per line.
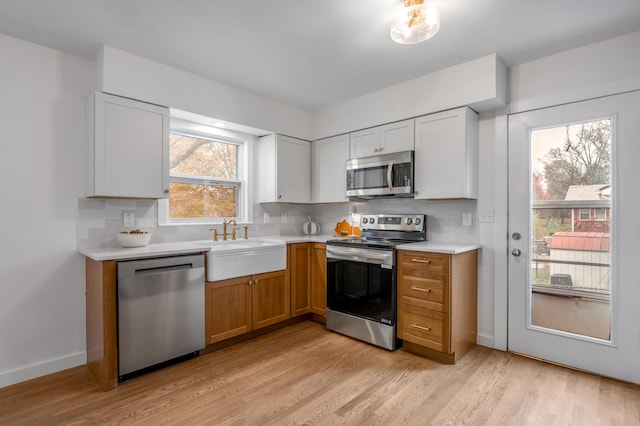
204	178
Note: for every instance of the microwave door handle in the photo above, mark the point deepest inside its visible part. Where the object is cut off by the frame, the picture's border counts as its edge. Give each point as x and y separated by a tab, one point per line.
390	176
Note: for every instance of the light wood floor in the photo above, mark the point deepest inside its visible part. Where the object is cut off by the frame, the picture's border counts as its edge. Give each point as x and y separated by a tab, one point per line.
304	374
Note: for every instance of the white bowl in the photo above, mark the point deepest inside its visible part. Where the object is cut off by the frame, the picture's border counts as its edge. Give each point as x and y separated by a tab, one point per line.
127	239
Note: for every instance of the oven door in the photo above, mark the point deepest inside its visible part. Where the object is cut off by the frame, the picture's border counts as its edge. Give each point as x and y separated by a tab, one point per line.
361	282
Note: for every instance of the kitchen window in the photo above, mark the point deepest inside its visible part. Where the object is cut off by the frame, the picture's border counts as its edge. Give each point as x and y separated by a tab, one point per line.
207	176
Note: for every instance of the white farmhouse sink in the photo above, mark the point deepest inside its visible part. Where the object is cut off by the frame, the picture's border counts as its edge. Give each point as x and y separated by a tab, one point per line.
229	259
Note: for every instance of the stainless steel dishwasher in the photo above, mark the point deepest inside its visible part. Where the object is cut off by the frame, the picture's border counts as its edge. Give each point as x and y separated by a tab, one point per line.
160	312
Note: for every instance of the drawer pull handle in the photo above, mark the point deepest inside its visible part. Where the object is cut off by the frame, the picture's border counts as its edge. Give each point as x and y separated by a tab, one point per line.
420	261
419	327
426	290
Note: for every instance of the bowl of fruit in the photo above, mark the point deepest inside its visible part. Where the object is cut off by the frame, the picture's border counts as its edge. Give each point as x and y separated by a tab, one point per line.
135	238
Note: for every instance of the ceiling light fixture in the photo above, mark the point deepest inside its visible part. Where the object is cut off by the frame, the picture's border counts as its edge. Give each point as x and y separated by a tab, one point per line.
416	23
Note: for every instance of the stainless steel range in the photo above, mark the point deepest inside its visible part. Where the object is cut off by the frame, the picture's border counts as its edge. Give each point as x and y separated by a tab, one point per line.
361	277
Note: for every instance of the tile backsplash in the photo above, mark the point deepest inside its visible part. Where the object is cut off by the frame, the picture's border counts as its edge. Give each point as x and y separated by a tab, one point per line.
99	220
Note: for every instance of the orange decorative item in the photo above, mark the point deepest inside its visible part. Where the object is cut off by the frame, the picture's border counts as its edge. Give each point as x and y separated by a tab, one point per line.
344	229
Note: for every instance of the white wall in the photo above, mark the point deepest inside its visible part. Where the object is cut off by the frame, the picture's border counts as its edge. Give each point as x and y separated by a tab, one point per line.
480	84
42	151
124	74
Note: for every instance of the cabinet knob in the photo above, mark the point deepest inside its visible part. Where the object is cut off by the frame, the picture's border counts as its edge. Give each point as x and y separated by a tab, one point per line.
279	197
166	191
426	290
420	261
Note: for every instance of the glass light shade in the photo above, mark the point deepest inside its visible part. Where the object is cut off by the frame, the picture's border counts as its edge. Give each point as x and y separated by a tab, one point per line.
416	23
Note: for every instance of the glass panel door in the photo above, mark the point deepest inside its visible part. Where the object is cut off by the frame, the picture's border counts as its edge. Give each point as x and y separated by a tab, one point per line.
574	235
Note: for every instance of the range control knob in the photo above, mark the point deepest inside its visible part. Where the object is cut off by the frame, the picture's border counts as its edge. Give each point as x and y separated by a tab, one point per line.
417	221
408	221
372	220
365	220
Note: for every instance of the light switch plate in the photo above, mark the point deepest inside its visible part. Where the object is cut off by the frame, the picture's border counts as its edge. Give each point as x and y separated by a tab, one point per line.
487	216
129	220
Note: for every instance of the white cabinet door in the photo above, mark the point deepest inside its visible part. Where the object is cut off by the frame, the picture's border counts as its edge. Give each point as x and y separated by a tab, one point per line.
128	148
365	143
397	137
446	155
284	170
294	170
386	139
329	169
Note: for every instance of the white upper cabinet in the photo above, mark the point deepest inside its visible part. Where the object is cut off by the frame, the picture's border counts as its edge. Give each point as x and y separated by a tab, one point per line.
330	157
127	149
446	155
284	172
393	137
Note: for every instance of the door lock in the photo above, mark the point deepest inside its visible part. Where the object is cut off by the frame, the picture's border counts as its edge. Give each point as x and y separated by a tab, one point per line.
516	236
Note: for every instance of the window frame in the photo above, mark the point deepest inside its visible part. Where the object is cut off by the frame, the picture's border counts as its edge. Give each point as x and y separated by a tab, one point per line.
595	214
580	218
245	143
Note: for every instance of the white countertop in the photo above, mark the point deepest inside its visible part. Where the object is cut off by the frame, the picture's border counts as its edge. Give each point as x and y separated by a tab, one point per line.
183	247
435	247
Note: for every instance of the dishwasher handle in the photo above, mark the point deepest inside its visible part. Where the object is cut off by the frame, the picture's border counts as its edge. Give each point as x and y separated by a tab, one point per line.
162	269
132	268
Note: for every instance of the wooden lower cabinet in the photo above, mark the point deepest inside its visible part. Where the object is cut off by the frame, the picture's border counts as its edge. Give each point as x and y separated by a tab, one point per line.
271	299
319	279
299	265
437	303
102	321
307	264
239	305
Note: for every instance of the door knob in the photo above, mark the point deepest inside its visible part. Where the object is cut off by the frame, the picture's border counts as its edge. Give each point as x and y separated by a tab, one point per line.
516	252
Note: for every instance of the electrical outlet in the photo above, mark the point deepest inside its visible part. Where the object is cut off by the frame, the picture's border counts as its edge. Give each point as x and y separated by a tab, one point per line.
266	217
284	218
467	218
129	220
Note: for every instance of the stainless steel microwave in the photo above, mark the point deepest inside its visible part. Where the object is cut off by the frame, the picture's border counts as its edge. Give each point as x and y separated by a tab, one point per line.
381	175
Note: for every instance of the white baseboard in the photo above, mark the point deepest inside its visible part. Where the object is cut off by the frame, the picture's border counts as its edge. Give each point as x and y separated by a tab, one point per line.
22	374
485	340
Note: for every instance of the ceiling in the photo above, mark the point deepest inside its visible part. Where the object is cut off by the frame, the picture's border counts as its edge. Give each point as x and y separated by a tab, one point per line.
311	54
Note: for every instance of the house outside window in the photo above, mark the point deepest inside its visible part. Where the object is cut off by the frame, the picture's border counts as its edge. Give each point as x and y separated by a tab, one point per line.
584	214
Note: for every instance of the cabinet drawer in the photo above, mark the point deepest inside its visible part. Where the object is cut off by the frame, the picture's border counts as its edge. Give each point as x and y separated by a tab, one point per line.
434	262
424	327
424	289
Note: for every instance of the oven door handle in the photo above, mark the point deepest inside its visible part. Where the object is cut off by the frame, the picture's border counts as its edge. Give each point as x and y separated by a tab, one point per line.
390	176
336	253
